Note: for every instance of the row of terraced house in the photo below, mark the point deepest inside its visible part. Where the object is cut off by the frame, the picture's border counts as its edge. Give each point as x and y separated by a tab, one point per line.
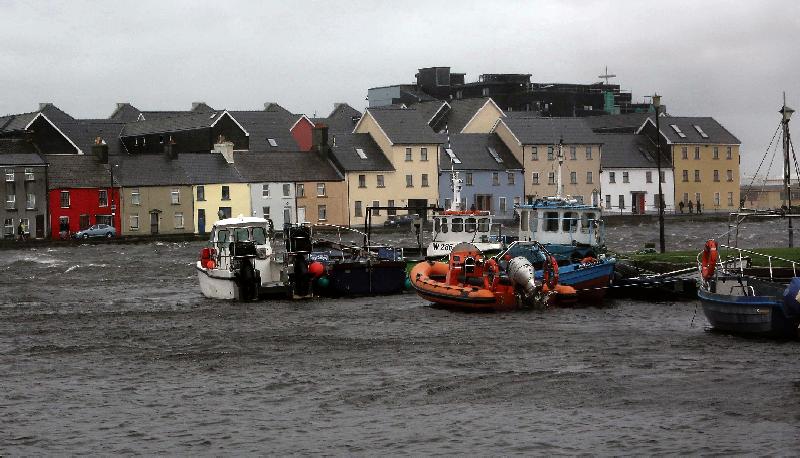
176	172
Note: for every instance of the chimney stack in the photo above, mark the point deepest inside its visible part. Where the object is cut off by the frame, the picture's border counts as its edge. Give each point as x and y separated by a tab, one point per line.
171	149
319	139
100	150
197	104
225	148
43	105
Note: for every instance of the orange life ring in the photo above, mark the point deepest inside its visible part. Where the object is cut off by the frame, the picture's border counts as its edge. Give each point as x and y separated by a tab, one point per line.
550	272
708	260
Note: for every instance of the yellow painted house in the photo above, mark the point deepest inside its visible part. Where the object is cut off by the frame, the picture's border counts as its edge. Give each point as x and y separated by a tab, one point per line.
396	165
705	158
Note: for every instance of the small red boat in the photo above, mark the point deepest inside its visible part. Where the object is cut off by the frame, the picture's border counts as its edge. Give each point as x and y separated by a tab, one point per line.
469	280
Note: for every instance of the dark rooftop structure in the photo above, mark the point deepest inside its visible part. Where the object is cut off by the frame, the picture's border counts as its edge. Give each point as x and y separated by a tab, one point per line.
343	118
264	125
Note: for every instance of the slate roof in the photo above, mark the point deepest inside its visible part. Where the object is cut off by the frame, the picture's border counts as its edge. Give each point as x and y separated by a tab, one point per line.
549	131
77	171
717	134
473	152
621	123
263	125
406	126
345	155
55	114
15	151
630	151
149	170
83	133
341	119
200	168
125	112
284	166
461	111
170	124
17	122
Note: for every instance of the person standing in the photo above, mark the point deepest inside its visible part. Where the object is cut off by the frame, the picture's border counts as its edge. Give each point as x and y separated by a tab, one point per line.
680	205
698	206
20	231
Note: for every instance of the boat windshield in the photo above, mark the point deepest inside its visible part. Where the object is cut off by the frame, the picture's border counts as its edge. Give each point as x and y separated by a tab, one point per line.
483	225
241	234
471	225
437	225
458	224
445	225
569	223
260	235
530	252
551	221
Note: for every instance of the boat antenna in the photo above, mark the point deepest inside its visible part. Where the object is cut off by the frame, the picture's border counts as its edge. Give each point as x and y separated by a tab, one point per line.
786	114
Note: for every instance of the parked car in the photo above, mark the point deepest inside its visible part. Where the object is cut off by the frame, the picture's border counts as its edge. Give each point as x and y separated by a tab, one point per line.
98	230
399	221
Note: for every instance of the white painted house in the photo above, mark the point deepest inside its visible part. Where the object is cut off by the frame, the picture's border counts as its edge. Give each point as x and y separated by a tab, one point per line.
628	176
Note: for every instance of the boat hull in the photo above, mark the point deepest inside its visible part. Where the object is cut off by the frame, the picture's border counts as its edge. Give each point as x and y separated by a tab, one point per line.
590	282
755	315
361	278
222	284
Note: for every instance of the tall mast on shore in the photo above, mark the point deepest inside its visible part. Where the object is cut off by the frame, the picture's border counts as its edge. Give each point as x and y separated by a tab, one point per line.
786	114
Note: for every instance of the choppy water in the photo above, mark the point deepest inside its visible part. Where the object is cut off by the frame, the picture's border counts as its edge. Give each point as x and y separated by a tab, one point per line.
111	349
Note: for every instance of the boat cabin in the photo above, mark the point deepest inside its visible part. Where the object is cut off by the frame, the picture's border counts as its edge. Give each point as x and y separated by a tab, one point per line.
240	233
561	221
451	226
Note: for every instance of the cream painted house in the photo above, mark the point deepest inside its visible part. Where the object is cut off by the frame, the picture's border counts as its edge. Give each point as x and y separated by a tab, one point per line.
535	142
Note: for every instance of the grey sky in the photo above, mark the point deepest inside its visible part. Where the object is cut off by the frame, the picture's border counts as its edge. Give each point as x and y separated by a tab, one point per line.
729	60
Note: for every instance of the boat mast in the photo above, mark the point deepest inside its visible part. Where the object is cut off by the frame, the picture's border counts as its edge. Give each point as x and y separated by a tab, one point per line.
455	181
559	186
786	112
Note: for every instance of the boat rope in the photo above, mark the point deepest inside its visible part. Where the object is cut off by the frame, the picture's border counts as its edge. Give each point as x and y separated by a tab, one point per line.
771	142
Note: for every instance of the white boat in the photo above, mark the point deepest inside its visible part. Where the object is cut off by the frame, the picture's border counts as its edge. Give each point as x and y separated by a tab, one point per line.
238	263
456	225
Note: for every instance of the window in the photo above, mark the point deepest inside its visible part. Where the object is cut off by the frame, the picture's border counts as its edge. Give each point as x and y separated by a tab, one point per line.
29	172
663	176
588	153
178	220
608	201
287	190
408	155
696	175
224	212
551	178
226	194
534	153
621	201
511	178
535	177
26	225
423	154
729	175
8	227
495	179
134	222
716	175
362	181
64	199
697	153
322	212
551	221
589	179
424	180
201	193
730	199
573	153
102	198
573	177
458	225
656	200
686	197
678	130
30	202
468	179
716	199
612	177
381	183
9	174
502	204
684	152
495	156
685	175
409	181
272	142
550	153
391	204
648	176
715	152
300	190
625	177
728	153
452	156
135	197
265	212
700	131
358	212
321	190
175	195
265	190
375	211
63	223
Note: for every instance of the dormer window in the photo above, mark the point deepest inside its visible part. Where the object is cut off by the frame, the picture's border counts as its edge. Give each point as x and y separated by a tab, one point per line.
700	131
272	142
678	130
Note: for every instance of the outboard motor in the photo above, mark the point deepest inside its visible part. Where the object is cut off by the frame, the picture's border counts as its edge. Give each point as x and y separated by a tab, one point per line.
522	275
243	254
298	247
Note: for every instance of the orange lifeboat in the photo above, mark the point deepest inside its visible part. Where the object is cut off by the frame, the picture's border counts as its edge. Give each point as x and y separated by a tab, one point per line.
468	280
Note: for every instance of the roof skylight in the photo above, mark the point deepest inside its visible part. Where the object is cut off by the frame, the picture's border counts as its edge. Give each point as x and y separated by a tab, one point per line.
700	131
494	154
360	152
678	130
452	155
272	142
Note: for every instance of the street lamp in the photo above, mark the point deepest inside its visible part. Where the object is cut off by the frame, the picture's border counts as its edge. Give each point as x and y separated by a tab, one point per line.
786	112
657	106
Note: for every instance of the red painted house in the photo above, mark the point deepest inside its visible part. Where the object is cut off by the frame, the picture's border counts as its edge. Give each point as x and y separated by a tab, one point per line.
301	132
81	192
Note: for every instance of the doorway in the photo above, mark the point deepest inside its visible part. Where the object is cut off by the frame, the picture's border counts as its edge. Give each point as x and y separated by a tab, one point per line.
201	220
638	200
154	222
483	202
39	226
301	214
